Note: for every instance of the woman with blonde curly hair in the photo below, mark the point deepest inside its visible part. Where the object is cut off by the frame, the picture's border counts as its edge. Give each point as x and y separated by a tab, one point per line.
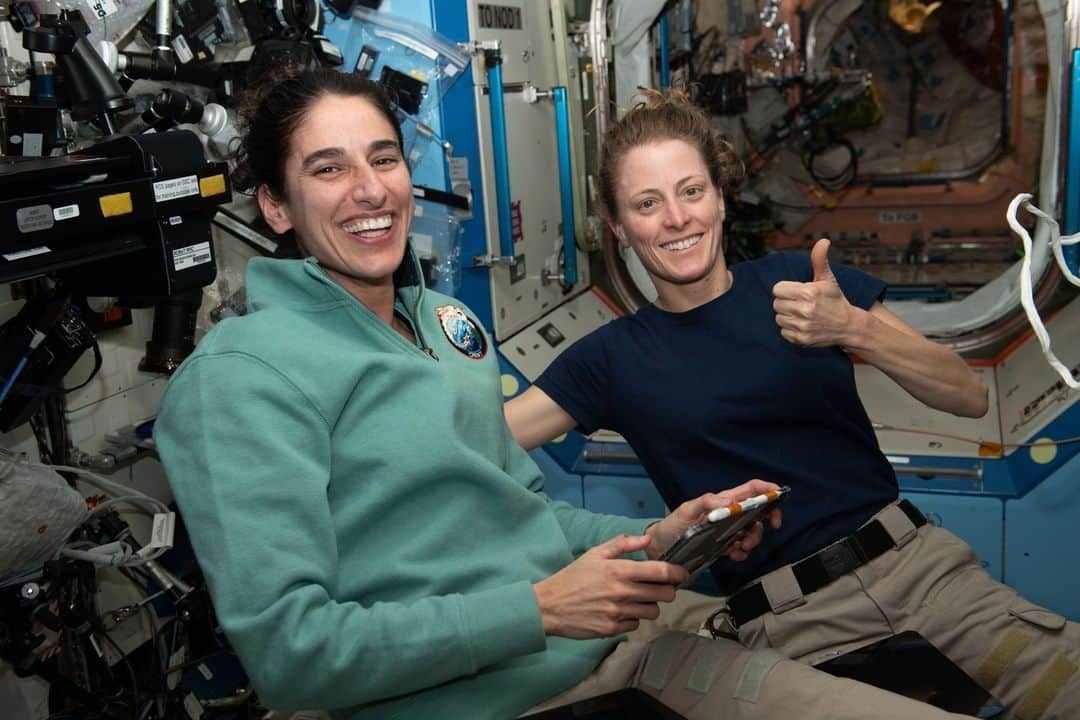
744	371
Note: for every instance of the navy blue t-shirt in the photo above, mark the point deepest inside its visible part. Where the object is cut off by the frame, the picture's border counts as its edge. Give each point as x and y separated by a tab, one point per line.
713	397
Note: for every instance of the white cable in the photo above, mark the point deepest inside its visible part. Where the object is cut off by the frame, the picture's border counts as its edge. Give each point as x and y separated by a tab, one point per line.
116	558
147	505
123	555
1027	298
110	486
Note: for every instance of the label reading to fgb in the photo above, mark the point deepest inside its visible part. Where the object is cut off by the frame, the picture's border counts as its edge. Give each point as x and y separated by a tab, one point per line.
165	190
65	213
499	17
191	256
34	218
899	217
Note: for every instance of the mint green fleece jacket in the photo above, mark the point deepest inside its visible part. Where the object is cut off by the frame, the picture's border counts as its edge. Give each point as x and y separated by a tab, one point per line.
368	527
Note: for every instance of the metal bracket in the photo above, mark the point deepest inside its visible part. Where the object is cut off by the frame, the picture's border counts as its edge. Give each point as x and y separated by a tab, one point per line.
493	260
532	95
475	47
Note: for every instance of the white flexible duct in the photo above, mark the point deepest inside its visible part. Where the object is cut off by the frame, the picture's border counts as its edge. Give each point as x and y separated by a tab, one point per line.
1050	227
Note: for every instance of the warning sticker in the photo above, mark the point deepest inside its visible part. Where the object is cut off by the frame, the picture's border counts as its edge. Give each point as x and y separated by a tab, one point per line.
34	218
191	256
165	190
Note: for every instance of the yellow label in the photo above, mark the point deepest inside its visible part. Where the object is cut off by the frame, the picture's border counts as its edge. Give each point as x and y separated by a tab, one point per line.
118	204
213	185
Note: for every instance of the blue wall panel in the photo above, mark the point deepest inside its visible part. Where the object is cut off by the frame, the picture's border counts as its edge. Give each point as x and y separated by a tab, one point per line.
977	520
1040	529
622	495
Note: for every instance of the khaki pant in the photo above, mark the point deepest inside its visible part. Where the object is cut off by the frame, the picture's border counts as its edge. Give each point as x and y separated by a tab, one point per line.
1025	655
718	679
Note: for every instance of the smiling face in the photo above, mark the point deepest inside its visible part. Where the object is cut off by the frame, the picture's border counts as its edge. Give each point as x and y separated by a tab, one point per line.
347	195
671	214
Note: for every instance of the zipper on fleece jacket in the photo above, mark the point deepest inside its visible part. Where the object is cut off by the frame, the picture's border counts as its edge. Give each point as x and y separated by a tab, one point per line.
417	271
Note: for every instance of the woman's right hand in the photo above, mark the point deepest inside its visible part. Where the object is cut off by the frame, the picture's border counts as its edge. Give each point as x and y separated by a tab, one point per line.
603	594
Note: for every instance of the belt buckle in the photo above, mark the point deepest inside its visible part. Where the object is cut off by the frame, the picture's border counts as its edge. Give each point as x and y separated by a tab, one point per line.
721	625
839	559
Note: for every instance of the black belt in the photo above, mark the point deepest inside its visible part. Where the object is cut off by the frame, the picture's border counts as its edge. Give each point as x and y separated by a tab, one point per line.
824	566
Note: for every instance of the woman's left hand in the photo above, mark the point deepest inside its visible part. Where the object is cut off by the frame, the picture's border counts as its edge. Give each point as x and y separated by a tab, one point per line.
691	512
815	313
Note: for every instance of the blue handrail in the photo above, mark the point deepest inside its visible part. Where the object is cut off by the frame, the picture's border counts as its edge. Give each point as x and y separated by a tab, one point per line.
566	196
493	62
1071	253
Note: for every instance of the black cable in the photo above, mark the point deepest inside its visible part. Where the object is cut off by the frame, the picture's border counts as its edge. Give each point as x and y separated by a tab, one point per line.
56	424
150	617
131	672
843	178
188	663
37	425
155	639
93	373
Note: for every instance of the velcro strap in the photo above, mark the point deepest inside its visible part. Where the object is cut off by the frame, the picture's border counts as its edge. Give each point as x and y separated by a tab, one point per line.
782	590
661	656
754	674
897	524
716	655
916	517
1048	687
1008	648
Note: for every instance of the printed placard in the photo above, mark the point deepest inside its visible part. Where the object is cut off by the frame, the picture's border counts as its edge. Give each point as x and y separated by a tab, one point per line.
182	49
165	190
191	256
899	217
499	17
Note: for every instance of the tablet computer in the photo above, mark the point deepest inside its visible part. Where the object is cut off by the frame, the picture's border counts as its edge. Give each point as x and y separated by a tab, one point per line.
626	704
703	544
909	664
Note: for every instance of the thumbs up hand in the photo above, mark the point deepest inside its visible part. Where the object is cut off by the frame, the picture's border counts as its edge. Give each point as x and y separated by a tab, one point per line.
815	313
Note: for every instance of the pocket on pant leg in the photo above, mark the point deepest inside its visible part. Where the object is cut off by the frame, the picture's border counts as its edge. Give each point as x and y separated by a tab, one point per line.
753	634
1032	614
765	631
1021	647
948	588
